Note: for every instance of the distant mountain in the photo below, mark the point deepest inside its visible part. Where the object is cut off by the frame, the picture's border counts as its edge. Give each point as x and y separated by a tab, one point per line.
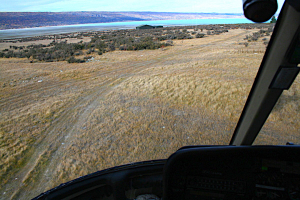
13	20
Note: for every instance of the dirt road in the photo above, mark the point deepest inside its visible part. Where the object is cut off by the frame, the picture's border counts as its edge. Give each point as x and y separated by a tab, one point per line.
35	175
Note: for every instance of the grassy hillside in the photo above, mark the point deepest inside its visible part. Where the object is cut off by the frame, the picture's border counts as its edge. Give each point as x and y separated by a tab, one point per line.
63	120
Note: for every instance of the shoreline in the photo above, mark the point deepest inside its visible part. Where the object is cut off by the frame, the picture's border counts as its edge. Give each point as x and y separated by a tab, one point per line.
83	24
64	29
16	20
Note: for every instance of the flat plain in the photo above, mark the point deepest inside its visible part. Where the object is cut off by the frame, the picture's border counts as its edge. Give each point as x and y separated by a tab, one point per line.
60	121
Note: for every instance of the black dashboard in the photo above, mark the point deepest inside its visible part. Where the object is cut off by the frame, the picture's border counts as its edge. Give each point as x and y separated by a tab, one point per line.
249	172
202	173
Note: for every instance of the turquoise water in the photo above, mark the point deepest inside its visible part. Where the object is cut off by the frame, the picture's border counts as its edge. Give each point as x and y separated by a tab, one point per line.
29	32
184	22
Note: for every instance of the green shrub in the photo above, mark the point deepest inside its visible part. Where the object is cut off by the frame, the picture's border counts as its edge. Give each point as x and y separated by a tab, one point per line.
74	60
200	35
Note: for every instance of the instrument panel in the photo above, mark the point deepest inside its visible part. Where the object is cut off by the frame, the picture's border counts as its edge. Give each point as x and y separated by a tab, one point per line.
222	173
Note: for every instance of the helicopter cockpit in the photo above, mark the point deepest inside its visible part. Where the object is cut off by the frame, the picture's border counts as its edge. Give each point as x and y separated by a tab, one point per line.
236	171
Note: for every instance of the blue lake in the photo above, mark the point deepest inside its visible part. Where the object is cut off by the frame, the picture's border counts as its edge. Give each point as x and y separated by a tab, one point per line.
29	32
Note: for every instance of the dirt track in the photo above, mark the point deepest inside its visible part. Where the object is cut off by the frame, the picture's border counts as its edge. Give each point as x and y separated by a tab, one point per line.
50	147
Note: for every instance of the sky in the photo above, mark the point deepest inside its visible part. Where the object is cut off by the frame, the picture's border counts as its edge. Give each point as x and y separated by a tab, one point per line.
218	6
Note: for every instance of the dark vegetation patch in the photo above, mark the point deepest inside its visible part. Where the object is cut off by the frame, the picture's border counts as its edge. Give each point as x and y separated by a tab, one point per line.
256	35
125	40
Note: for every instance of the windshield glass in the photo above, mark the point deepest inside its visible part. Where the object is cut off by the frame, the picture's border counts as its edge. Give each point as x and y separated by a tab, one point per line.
75	103
283	124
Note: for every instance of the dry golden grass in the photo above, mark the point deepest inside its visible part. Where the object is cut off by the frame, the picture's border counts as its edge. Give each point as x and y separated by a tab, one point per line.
126	107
